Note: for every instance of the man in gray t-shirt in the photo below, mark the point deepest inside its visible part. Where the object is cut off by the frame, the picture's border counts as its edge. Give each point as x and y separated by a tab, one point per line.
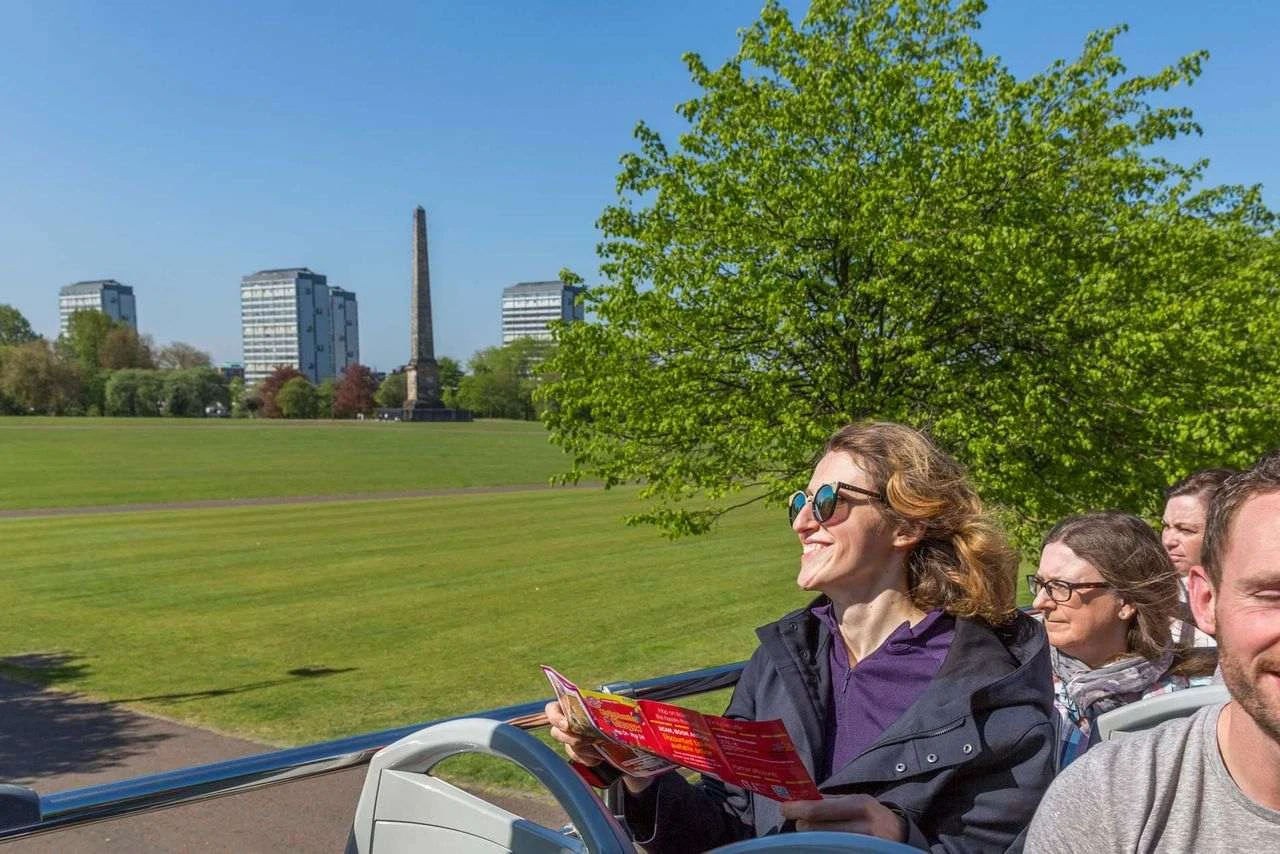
1164	790
1210	782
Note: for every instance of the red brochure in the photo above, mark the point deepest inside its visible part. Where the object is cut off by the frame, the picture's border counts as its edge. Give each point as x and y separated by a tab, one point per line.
644	738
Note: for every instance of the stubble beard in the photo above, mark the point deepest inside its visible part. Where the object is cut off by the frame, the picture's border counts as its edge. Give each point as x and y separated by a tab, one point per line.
1243	686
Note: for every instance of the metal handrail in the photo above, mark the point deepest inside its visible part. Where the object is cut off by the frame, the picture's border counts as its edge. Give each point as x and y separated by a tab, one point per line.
62	810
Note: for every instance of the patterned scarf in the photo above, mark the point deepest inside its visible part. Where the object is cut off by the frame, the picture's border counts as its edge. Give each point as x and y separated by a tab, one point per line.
1086	692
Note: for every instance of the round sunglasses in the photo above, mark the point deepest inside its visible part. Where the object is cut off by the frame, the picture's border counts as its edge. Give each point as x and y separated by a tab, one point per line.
825	499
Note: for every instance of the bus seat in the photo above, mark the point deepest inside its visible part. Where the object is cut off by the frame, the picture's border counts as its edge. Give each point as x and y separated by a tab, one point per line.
1153	711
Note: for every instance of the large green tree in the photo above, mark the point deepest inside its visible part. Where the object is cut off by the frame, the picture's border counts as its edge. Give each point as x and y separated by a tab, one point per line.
868	217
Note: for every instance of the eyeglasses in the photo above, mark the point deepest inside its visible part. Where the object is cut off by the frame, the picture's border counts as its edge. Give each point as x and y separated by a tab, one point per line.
825	499
1060	591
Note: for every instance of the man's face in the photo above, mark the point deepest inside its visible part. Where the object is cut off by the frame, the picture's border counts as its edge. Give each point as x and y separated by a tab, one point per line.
1243	613
1182	530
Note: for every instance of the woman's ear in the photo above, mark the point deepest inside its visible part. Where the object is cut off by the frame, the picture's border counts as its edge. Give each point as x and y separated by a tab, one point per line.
1127	611
908	534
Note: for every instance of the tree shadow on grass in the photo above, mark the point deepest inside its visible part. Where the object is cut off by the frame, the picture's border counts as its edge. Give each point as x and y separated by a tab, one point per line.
46	733
208	693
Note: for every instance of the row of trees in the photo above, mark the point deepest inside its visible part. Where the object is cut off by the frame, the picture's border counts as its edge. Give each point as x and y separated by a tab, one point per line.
500	384
101	367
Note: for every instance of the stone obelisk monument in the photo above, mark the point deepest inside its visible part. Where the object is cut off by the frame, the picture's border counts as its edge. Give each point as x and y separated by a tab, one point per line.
423	382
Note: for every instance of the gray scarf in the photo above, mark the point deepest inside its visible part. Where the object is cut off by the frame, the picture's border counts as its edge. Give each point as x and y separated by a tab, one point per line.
1088	692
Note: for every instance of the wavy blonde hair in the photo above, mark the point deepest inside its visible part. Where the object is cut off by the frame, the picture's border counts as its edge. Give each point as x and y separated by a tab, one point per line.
962	563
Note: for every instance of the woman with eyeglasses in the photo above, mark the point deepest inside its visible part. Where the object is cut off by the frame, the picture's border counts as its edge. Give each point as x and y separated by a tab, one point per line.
917	695
1108	595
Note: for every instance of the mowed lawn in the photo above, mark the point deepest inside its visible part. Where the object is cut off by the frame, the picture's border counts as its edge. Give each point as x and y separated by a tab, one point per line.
63	462
292	624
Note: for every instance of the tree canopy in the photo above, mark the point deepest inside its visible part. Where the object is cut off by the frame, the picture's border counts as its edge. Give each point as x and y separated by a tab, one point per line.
14	328
392	391
86	332
298	398
868	217
179	355
267	390
502	380
354	392
34	378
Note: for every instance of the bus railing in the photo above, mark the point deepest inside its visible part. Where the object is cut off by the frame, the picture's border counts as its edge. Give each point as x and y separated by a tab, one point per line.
62	810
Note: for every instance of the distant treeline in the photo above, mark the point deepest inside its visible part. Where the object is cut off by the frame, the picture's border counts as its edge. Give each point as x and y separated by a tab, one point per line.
102	367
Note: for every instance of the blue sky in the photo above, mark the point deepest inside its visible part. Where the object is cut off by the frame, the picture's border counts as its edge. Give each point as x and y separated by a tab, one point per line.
179	146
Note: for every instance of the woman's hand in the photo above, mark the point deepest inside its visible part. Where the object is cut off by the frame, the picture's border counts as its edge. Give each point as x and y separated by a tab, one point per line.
847	814
582	748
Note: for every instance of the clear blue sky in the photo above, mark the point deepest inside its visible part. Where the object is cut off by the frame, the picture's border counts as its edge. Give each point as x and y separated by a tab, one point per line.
179	146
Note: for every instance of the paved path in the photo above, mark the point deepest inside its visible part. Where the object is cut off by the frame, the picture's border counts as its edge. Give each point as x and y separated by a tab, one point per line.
90	510
54	741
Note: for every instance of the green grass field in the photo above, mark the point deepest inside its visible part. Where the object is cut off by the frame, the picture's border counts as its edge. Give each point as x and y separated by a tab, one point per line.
57	462
426	607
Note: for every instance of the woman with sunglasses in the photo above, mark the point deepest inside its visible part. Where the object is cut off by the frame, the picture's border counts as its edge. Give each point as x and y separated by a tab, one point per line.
917	695
1108	595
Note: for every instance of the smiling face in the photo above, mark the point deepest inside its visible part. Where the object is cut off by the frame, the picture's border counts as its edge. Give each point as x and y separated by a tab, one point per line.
1243	613
1182	530
854	551
1093	624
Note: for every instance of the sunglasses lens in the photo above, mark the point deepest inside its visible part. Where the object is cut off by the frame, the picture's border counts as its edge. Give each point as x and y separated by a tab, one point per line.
824	502
795	505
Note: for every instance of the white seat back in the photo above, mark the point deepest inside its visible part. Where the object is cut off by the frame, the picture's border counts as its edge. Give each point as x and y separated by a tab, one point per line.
402	809
1154	711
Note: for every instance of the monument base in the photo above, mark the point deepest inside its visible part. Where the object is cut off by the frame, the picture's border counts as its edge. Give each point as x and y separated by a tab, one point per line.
423	413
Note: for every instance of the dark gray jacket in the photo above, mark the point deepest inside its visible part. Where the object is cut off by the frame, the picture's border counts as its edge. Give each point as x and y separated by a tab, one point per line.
965	765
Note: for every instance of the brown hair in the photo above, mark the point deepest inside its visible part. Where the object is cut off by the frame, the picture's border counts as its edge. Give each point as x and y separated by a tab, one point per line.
1130	558
1262	479
1201	484
962	564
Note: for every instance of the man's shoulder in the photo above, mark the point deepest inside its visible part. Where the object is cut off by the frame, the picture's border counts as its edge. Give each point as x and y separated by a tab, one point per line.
1118	786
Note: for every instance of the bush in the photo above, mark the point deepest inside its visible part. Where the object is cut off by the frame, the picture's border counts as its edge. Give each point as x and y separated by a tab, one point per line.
298	399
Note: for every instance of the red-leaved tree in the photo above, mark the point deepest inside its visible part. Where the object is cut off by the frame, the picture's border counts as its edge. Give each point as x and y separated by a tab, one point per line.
270	387
354	392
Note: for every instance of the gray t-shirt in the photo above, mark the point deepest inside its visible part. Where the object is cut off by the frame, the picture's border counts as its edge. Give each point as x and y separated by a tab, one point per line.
1165	789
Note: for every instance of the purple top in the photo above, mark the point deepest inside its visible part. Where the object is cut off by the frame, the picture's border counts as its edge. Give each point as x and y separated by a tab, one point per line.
867	698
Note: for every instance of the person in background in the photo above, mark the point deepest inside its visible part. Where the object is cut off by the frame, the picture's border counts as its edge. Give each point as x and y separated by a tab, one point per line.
916	694
1209	782
1108	596
1186	504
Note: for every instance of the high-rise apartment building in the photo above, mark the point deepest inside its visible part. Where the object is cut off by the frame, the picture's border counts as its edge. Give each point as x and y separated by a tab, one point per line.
286	319
527	308
346	329
105	295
